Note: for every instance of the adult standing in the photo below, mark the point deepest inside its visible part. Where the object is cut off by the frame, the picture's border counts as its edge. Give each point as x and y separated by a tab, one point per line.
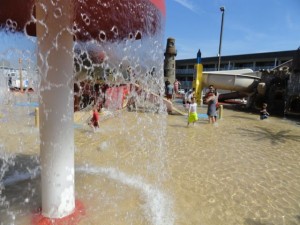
77	97
211	90
211	101
176	86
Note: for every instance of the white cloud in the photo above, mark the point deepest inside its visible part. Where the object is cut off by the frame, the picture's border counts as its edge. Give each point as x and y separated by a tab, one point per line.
187	4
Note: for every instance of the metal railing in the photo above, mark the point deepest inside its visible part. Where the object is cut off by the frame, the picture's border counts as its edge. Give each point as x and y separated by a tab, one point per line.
191	71
185	71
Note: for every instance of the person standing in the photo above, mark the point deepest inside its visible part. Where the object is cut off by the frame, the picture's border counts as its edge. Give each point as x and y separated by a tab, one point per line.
9	82
185	97
94	122
169	91
167	82
211	91
192	114
211	101
176	86
77	97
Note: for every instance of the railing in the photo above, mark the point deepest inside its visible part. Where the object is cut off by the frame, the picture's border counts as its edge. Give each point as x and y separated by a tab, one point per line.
185	71
191	71
256	68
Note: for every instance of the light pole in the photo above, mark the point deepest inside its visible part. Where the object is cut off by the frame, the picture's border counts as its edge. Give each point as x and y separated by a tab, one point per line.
222	9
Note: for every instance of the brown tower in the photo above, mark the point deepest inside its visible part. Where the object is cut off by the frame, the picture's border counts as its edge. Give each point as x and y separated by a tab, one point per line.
169	63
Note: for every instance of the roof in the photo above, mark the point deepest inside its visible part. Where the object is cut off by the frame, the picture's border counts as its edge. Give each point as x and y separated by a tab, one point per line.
252	56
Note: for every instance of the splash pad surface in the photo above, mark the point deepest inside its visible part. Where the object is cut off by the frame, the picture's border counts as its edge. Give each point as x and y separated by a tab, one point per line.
243	171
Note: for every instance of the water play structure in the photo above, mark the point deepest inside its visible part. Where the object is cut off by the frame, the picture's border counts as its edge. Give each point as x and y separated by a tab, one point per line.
244	80
56	24
278	87
240	83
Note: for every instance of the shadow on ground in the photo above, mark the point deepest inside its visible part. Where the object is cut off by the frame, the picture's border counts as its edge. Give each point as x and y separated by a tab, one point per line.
275	137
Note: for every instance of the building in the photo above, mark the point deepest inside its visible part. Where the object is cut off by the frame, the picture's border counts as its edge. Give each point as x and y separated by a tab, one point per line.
255	61
11	77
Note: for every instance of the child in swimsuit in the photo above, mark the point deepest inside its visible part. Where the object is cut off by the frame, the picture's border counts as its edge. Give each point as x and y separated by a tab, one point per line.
192	115
263	112
94	122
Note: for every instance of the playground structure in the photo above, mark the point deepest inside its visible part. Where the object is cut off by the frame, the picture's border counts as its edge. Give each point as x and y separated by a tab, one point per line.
241	83
278	87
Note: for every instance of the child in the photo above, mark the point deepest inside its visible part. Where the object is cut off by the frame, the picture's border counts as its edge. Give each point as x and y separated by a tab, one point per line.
169	91
192	114
94	122
263	112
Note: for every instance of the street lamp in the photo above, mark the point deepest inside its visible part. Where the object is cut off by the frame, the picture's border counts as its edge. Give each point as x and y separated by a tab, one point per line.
222	9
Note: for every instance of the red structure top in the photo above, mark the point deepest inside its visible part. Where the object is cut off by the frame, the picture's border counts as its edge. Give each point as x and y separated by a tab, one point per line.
160	4
105	20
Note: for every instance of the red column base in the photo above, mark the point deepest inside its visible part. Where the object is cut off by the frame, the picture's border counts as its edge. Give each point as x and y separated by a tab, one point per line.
72	219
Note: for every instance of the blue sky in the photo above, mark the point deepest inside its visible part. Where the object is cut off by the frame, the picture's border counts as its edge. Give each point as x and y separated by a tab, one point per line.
250	26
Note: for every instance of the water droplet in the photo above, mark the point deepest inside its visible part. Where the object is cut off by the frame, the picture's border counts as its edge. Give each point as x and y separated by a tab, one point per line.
87	21
114	29
54	2
130	36
11	25
102	36
138	35
57	12
14	25
85	18
8	22
43	11
75	28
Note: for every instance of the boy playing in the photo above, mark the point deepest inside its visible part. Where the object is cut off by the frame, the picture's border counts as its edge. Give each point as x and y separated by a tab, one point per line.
263	112
94	122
